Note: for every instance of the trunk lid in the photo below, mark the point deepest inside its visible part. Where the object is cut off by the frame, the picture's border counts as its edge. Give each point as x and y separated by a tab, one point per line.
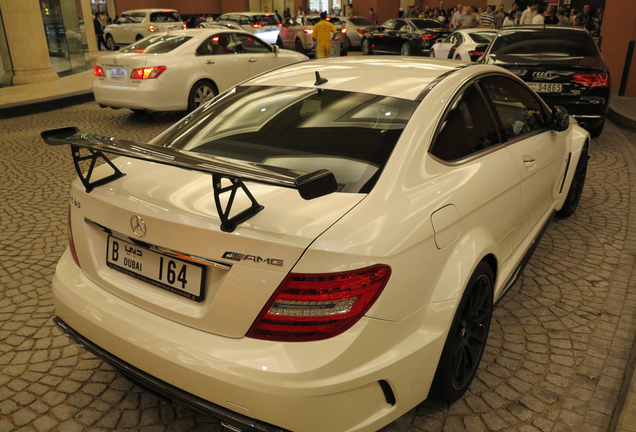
177	210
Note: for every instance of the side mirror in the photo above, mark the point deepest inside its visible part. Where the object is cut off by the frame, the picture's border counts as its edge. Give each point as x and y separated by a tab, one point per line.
560	119
381	28
275	49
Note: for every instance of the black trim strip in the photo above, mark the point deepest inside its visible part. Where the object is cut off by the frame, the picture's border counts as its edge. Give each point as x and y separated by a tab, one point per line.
439	79
526	258
567	168
165	390
388	392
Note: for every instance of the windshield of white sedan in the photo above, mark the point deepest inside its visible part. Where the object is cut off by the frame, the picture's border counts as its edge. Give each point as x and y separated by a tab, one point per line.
157	45
350	134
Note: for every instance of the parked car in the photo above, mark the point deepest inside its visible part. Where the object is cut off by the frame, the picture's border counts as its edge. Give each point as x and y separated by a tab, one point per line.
412	36
182	69
377	210
356	28
465	44
264	25
562	64
137	24
297	34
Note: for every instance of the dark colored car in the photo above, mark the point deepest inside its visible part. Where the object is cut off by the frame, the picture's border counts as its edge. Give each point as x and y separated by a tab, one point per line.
562	64
409	36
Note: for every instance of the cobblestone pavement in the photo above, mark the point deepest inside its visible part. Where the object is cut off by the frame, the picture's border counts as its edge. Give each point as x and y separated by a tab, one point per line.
557	353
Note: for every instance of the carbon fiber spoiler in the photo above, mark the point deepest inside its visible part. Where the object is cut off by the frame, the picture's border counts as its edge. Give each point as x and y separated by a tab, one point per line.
309	185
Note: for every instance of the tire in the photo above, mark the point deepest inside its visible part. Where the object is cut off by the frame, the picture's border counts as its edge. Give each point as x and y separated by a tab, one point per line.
201	92
596	131
365	47
110	43
432	54
458	57
405	49
466	338
576	188
298	45
139	112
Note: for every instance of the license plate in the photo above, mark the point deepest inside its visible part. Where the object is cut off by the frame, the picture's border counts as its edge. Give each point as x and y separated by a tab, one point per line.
118	74
546	87
171	274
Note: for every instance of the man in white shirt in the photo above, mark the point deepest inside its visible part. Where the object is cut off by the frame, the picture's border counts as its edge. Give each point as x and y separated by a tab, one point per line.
457	16
529	14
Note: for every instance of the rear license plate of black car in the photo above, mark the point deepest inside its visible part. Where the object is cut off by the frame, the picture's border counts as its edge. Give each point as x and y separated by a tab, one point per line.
546	87
171	274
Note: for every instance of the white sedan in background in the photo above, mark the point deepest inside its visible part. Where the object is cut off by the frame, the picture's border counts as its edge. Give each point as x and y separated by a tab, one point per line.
180	70
319	248
465	44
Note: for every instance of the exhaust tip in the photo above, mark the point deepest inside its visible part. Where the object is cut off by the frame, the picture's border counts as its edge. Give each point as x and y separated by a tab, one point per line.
582	124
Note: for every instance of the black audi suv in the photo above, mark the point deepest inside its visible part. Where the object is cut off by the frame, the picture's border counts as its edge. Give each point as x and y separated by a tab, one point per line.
562	64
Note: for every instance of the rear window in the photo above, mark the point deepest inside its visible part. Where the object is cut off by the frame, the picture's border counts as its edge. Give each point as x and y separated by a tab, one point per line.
547	44
264	19
428	24
157	44
482	37
166	16
361	22
350	134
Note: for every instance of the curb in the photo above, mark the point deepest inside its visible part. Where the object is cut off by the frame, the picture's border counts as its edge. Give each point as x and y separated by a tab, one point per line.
35	106
620	118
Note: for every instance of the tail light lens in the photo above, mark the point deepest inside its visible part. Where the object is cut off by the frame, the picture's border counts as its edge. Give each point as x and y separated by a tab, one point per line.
148	72
308	31
310	307
475	53
257	25
344	30
362	31
98	71
185	27
279	25
592	79
71	243
428	36
151	28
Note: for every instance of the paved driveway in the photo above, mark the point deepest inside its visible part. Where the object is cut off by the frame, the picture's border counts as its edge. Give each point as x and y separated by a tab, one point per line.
559	342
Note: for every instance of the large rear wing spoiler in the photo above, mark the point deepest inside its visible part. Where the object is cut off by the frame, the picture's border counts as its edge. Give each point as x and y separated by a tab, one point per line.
309	185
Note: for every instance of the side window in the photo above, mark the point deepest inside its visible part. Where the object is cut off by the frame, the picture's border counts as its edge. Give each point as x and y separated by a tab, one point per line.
251	45
519	111
467	128
219	44
389	24
400	25
244	21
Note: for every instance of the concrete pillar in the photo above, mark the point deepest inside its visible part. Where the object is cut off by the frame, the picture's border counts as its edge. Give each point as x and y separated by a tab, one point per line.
87	14
619	27
27	41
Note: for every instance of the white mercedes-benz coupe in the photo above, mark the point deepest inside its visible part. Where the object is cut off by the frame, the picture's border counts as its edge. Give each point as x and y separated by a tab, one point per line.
182	69
319	248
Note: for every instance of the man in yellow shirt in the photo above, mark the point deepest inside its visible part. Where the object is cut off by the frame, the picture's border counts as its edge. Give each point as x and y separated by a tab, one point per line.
324	32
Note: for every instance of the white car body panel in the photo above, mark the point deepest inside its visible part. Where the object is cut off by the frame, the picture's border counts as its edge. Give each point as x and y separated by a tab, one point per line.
127	33
451	50
420	219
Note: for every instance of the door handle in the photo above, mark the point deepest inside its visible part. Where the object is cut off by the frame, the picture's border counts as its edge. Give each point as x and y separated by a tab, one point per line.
529	161
210	62
253	60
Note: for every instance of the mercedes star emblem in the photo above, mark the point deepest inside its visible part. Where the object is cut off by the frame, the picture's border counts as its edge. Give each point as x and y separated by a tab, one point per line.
138	226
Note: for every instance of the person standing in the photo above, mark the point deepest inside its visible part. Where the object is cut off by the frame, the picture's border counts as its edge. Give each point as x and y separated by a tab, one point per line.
287	15
280	18
552	17
371	16
529	14
99	33
486	19
499	17
468	20
585	19
324	32
539	18
457	16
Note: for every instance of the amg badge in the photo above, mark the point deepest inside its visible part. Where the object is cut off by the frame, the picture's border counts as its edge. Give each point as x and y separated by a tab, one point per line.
236	256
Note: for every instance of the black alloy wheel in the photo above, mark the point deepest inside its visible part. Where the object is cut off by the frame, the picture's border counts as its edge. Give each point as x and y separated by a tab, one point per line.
406	50
365	47
432	53
299	46
596	130
279	42
200	94
466	338
576	188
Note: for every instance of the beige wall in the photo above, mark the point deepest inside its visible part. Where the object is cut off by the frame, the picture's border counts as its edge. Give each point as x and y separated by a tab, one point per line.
619	27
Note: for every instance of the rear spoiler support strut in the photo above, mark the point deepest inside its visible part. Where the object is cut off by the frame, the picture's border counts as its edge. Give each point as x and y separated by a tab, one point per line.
309	185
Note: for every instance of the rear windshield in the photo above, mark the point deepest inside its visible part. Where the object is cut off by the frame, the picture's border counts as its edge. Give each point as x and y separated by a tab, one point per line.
350	134
315	20
427	24
167	16
361	22
546	44
157	44
482	37
264	19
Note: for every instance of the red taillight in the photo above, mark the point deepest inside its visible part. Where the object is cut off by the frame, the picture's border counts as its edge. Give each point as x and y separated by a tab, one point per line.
428	36
308	31
592	79
148	72
71	243
257	25
151	28
98	71
362	31
475	53
309	307
344	30
185	27
279	25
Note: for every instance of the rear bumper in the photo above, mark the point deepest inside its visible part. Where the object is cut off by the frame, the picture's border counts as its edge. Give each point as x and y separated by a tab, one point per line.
151	95
358	381
590	113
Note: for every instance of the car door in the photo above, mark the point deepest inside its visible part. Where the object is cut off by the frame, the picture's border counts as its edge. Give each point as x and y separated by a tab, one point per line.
539	151
260	57
381	39
397	35
219	56
442	48
471	151
457	41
